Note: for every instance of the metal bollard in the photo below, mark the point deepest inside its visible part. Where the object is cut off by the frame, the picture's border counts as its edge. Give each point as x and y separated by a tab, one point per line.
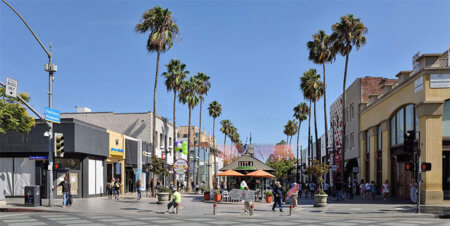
214	208
176	208
252	208
290	210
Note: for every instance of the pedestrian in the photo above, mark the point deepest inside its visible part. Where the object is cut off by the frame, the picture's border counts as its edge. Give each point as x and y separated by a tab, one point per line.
312	187
300	190
367	190
171	187
338	190
373	188
386	189
361	189
138	189
413	191
243	185
117	189
176	201
184	185
109	190
306	187
295	196
277	192
247	203
326	187
65	184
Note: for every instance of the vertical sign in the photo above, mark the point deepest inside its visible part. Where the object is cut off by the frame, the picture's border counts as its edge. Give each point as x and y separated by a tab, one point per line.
418	84
11	87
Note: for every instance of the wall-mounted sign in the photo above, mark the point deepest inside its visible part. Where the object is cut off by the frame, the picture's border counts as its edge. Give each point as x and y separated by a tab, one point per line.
418	84
146	154
116	151
38	157
440	81
247	165
180	166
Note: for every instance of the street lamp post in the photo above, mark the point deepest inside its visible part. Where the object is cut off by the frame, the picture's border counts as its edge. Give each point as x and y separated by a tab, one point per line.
50	68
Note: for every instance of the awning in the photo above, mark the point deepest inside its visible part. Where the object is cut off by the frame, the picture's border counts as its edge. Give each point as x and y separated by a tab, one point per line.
230	173
259	173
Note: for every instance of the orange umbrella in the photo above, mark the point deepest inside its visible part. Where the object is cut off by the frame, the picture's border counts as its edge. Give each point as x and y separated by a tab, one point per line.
230	173
259	173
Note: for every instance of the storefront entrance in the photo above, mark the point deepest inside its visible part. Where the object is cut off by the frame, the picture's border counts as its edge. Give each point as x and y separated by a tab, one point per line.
446	174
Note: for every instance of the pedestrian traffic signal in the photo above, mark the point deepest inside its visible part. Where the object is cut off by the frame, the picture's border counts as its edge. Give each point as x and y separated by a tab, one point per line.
408	141
426	166
58	166
59	145
409	166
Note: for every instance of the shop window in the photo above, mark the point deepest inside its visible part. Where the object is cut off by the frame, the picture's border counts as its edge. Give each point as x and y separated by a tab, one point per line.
69	164
409	118
404	120
393	141
446	119
400	126
379	138
367	142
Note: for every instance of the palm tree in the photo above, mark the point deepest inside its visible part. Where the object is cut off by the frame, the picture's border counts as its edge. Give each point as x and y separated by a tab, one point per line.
231	135
226	129
188	95
202	88
347	33
163	32
215	110
313	90
175	75
301	112
320	52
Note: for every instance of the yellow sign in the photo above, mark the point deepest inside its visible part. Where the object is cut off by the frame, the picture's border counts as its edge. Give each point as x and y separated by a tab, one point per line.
116	144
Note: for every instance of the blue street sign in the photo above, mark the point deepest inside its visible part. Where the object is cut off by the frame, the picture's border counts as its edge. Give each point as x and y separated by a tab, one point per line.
52	115
38	157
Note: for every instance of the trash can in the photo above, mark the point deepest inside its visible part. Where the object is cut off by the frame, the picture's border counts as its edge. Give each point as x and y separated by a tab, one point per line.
33	196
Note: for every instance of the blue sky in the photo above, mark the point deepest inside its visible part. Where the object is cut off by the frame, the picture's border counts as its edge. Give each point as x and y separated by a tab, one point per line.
254	51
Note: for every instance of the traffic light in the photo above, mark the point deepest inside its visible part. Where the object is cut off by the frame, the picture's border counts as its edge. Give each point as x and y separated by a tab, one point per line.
58	166
409	166
59	145
426	166
408	141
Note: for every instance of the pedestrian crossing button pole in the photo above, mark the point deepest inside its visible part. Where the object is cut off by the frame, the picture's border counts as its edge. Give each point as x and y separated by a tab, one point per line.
252	208
214	208
290	210
177	206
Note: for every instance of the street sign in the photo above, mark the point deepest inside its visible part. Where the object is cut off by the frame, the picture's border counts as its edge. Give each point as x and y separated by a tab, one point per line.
38	157
180	166
52	115
11	87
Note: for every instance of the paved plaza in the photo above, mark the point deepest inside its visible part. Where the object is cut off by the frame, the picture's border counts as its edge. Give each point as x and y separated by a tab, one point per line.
128	211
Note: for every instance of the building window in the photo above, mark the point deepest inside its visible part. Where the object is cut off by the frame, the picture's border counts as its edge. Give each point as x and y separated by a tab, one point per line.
367	142
156	140
161	140
379	159
170	141
346	115
185	135
393	141
352	140
379	138
351	112
404	120
178	135
367	156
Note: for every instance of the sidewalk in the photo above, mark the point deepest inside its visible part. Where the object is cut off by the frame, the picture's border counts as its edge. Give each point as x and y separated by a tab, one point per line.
193	205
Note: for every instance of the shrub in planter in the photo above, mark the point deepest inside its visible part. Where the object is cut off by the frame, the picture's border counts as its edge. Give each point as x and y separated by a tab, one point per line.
269	196
317	170
164	194
217	196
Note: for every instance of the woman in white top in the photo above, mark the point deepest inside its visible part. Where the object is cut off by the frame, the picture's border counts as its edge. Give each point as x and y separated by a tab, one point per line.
413	191
386	189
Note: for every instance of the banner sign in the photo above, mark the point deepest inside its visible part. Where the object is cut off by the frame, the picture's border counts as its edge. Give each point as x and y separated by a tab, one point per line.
180	166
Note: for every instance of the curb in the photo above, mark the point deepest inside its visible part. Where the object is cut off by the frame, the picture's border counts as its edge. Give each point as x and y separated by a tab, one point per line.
7	209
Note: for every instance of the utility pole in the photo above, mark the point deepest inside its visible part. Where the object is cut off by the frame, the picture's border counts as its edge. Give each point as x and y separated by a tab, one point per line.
50	68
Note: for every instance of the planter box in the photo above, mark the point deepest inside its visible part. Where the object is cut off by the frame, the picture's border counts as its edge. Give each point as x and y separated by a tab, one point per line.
320	200
206	196
269	199
163	197
217	197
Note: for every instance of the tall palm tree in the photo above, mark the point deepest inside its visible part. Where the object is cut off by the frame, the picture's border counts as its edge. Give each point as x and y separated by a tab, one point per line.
231	135
215	110
321	52
175	75
226	130
163	32
202	89
313	90
188	95
347	33
301	112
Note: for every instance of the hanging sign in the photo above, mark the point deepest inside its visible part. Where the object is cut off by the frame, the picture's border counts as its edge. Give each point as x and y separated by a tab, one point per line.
180	166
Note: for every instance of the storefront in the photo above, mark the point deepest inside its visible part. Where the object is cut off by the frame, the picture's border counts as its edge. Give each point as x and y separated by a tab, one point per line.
419	102
116	159
23	159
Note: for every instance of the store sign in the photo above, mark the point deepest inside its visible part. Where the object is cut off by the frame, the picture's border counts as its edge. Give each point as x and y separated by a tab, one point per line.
116	152
439	81
245	165
418	85
38	157
180	166
146	154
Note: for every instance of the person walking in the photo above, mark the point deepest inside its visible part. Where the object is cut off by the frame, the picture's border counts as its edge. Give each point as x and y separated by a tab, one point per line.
117	189
312	188
65	184
338	190
176	201
386	189
277	192
138	189
367	190
295	195
326	187
184	185
413	191
247	204
361	189
373	188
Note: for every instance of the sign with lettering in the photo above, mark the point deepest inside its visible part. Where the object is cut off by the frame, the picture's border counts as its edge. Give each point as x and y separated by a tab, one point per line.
245	165
11	87
52	115
38	157
418	85
246	195
440	81
180	166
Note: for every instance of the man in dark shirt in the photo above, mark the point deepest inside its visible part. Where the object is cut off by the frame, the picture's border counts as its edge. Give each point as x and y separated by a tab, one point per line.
66	191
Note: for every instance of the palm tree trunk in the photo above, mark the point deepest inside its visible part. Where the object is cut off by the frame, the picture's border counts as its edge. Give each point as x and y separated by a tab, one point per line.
317	139
199	138
188	173
154	118
224	145
343	115
215	150
309	134
298	139
174	135
325	110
